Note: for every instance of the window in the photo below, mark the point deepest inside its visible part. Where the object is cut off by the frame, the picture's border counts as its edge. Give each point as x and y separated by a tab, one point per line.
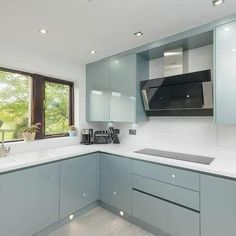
28	98
57	108
14	102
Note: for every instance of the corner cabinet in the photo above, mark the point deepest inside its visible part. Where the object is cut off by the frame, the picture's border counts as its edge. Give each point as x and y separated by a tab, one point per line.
29	200
113	89
116	182
218	206
78	183
225	76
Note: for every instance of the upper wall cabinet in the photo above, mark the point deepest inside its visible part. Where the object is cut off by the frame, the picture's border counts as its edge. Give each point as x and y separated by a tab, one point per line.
97	85
113	92
225	61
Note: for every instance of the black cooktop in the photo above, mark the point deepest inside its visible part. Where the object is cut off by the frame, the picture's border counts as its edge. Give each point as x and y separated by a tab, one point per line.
177	156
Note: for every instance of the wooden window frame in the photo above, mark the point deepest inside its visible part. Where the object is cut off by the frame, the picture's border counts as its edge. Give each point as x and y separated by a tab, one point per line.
37	101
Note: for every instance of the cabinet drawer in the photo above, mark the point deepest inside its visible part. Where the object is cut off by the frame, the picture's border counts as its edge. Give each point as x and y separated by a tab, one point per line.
175	176
178	195
172	219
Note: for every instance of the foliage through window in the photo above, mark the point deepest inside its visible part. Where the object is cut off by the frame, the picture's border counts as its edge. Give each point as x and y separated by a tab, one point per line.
57	110
28	98
14	102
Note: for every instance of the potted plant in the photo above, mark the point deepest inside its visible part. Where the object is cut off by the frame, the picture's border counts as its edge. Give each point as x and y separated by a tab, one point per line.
30	132
72	131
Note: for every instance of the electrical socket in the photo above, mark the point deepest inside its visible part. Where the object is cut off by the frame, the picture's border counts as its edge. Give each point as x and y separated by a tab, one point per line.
132	131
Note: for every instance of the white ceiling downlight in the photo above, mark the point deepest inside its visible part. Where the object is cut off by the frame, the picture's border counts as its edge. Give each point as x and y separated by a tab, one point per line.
43	31
138	34
217	2
92	52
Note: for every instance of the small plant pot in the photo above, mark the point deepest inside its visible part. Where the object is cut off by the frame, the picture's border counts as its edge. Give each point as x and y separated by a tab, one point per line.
29	137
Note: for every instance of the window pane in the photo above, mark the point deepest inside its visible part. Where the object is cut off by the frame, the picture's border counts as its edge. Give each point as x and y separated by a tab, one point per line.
14	102
57	100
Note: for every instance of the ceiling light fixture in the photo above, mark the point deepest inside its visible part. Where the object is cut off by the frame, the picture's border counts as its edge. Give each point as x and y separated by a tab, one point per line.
92	52
226	29
138	34
43	31
217	2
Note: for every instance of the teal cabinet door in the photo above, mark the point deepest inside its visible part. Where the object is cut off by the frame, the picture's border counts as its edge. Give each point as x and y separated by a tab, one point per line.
113	89
97	87
78	183
172	219
115	182
218	206
225	77
29	200
123	89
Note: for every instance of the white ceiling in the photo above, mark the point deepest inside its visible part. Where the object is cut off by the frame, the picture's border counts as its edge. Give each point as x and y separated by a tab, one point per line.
107	26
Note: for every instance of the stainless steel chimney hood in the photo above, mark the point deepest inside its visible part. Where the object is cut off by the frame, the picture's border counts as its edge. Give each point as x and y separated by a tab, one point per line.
173	62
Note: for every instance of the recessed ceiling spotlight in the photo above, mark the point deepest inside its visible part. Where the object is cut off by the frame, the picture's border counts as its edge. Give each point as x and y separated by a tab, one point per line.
226	29
92	52
43	31
217	2
138	34
233	49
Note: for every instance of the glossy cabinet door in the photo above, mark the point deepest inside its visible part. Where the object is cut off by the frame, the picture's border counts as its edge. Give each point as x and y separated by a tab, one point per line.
225	76
115	182
170	218
218	206
97	88
29	200
123	89
78	183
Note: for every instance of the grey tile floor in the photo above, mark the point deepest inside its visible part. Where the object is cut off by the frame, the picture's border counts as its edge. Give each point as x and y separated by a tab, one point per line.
100	222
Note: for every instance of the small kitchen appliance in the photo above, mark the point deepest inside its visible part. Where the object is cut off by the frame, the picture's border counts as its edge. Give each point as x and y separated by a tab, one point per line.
87	136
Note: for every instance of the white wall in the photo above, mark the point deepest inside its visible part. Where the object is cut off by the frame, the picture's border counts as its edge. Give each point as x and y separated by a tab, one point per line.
192	134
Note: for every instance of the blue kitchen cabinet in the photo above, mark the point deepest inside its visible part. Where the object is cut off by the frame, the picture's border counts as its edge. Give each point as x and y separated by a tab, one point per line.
97	89
166	216
78	183
218	206
113	89
225	76
116	182
123	89
29	200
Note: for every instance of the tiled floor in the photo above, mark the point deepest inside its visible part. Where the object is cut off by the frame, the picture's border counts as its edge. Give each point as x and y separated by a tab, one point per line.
100	222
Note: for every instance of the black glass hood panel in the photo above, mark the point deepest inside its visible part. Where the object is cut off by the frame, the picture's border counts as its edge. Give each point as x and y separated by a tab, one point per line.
180	95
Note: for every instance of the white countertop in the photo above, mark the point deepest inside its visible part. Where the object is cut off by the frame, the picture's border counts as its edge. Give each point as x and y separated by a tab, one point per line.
224	164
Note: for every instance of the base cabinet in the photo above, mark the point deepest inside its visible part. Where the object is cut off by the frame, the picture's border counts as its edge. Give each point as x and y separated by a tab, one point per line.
34	198
29	200
116	182
218	206
170	218
78	183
